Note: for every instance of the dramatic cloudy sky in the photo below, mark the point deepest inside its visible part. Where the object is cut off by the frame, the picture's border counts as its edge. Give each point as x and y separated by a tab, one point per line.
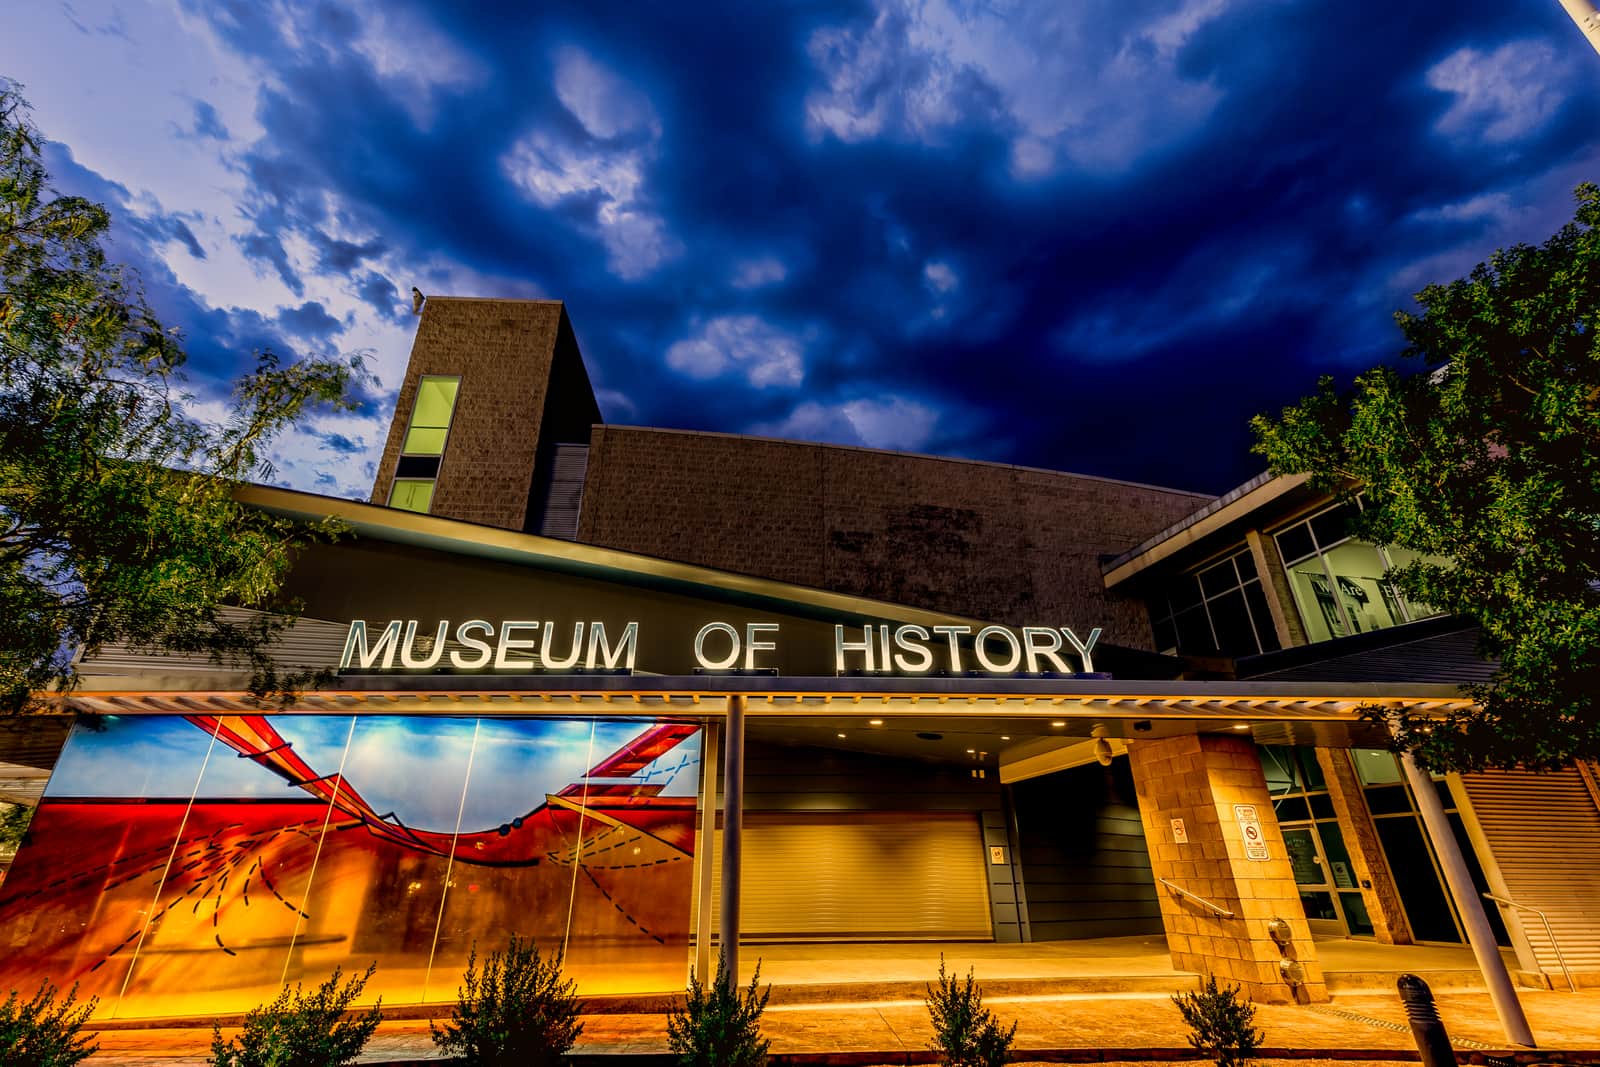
1094	235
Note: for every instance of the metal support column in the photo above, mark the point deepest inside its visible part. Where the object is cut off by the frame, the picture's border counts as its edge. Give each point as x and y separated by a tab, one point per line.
1479	933
704	870
732	832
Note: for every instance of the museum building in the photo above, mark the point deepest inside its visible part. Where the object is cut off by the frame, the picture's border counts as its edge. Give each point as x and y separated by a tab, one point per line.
639	692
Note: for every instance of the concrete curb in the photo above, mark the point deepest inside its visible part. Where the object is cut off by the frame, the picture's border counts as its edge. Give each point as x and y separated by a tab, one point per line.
1154	1054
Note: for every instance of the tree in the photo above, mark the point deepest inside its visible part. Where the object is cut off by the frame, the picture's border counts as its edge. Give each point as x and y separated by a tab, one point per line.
1488	460
117	513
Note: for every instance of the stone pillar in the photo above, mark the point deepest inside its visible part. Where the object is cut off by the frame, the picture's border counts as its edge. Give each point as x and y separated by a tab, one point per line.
1378	891
1201	780
1275	583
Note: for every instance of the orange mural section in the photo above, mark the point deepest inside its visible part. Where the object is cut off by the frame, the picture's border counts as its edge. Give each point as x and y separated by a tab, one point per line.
259	853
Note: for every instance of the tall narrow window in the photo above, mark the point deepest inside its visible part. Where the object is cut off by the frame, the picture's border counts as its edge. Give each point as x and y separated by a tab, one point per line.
420	453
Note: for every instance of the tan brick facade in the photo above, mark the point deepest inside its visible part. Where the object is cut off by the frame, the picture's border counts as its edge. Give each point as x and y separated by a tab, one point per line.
1009	544
1200	779
503	351
1378	889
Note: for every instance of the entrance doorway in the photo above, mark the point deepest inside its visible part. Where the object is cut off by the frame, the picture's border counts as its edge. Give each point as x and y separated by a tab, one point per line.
1315	844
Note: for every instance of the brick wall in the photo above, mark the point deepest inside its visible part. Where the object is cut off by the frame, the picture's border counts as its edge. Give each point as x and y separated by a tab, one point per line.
1199	779
1001	543
503	350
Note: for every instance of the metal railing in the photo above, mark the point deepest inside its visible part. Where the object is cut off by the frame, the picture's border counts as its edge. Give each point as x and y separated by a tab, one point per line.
1182	892
1547	932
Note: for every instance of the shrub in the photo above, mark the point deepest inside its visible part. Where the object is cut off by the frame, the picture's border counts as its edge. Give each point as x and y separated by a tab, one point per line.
517	1010
42	1033
1220	1022
719	1026
965	1033
302	1030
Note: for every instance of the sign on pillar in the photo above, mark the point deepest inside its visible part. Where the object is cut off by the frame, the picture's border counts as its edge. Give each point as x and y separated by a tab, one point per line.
1255	845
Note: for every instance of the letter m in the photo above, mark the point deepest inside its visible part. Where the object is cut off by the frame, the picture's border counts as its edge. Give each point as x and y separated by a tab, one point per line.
356	650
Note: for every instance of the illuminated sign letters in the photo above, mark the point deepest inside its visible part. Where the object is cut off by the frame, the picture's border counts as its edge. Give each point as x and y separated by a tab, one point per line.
542	645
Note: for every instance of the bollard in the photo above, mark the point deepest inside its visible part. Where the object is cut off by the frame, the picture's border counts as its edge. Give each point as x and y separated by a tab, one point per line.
1427	1029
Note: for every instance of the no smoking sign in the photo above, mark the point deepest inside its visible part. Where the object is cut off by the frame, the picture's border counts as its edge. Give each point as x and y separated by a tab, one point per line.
1255	845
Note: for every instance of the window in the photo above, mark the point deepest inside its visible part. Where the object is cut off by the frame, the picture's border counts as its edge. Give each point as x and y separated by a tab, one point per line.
1338	581
430	416
1220	608
420	453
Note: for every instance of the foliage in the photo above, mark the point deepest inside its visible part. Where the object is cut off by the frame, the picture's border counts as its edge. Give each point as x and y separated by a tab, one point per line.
518	1010
1488	460
719	1026
117	513
43	1033
14	819
1220	1022
302	1030
965	1033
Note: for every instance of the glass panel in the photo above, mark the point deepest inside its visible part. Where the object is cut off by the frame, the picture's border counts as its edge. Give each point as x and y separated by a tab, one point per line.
1358	576
1340	870
1294	544
1194	631
1246	564
425	441
1400	557
1183	593
1313	594
597	865
1279	770
1310	770
1231	622
340	841
1376	766
436	399
412	496
1411	863
1355	914
1166	635
1388	800
1333	526
1261	615
1292	809
1319	906
1219	578
109	830
1322	806
1470	855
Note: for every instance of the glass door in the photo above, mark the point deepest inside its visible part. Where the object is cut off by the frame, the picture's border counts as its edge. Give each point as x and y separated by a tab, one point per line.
1315	880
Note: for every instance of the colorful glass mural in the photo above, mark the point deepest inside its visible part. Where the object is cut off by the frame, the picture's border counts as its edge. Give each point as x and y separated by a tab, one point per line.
195	864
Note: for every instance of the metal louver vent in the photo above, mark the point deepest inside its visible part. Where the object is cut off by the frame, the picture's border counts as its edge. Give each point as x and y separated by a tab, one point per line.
563	492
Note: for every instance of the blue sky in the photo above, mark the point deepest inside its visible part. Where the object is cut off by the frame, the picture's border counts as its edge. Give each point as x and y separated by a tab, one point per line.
1094	236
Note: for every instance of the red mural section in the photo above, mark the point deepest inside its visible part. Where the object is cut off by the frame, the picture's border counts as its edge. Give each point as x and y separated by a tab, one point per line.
267	852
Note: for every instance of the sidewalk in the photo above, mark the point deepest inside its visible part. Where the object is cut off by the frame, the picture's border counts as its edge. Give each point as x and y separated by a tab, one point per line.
1139	1024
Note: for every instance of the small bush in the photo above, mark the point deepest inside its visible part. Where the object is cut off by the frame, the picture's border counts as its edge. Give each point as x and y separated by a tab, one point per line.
719	1026
517	1010
42	1033
1220	1022
965	1033
302	1030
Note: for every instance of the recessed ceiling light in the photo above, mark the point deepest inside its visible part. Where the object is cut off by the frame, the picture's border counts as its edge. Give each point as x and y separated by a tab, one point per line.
972	751
841	735
1059	723
874	722
1241	726
1005	737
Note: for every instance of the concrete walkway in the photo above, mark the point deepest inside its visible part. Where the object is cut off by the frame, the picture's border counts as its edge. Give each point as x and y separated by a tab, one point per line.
861	1004
1144	1026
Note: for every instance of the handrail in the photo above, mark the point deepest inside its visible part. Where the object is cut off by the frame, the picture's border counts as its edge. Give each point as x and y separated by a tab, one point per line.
1547	932
1178	889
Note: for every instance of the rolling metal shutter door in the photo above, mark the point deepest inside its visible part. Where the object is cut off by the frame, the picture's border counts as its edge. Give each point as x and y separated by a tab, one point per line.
828	877
1544	833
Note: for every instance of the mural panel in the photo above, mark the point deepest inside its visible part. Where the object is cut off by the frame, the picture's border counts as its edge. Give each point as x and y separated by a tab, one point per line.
192	865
